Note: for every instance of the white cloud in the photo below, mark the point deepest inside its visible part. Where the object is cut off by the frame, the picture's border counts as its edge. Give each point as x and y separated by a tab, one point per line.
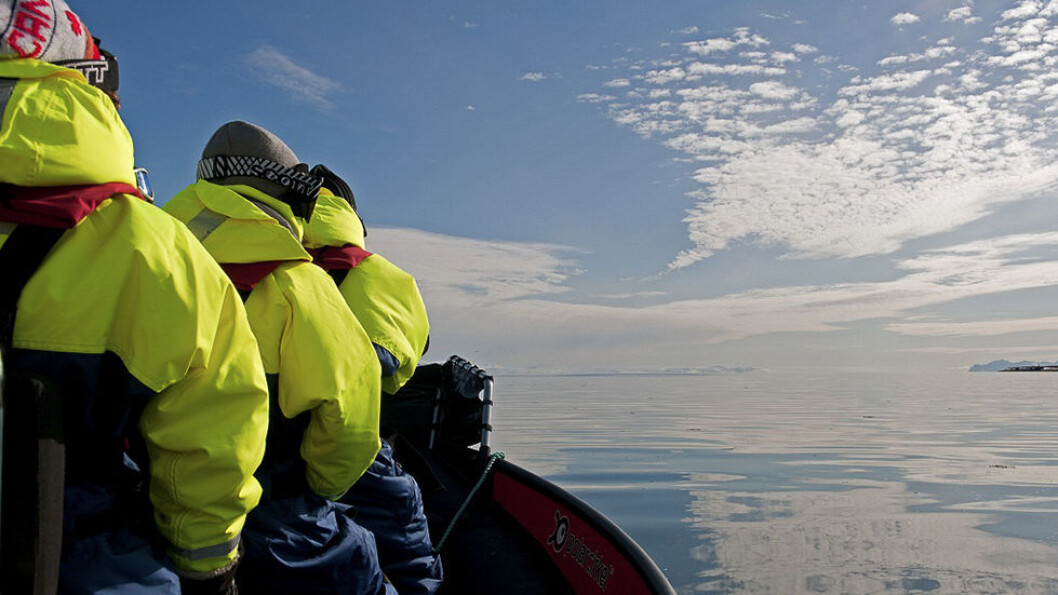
476	271
904	18
627	296
742	37
773	90
891	60
932	140
989	350
688	30
697	70
784	57
663	77
594	98
850	118
534	77
942	50
983	328
962	13
617	83
270	65
1025	9
897	81
474	287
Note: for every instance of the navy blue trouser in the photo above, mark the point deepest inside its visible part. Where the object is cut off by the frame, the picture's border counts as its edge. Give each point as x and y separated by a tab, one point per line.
307	544
123	557
387	501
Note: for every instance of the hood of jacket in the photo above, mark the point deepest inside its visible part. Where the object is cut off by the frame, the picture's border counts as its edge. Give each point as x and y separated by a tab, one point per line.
333	223
57	130
234	229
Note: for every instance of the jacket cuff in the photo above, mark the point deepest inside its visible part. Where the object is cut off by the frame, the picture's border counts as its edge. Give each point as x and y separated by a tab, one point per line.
207	562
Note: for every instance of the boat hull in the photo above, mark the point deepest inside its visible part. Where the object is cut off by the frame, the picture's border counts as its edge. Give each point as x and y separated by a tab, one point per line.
522	534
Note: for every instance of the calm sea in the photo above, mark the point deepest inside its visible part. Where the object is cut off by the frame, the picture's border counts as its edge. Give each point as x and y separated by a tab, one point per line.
801	482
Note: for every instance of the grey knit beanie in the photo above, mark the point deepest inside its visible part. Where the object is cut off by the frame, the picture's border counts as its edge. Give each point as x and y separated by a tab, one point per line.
244	153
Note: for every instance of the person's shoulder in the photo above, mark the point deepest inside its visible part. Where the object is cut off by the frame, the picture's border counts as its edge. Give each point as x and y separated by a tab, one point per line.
309	288
149	221
379	269
162	241
303	277
379	261
184	204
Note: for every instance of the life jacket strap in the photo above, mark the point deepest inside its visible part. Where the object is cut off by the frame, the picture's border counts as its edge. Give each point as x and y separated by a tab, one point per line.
33	439
20	257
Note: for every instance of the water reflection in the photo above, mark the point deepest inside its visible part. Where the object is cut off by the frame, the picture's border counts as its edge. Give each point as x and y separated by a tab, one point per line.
775	483
862	540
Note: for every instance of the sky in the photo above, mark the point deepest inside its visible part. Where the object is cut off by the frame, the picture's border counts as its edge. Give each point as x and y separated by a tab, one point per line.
679	186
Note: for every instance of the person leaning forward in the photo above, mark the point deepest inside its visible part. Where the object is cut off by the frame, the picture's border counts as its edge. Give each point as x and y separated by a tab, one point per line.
249	208
384	298
387	302
131	322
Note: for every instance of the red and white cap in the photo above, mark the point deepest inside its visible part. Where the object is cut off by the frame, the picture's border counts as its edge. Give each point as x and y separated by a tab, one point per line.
44	29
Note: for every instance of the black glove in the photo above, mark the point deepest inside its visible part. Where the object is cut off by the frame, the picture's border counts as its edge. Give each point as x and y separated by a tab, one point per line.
222	584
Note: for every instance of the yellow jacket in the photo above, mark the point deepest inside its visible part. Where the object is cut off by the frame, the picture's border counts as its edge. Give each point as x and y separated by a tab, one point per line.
322	359
384	298
129	298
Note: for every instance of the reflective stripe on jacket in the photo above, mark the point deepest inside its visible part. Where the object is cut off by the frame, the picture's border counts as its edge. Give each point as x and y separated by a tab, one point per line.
384	298
132	317
308	338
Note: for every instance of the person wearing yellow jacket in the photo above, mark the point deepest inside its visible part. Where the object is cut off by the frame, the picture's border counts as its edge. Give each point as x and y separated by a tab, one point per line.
384	298
127	316
387	302
248	208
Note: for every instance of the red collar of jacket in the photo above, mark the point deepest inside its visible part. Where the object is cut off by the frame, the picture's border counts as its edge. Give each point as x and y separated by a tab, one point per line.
246	275
336	258
56	206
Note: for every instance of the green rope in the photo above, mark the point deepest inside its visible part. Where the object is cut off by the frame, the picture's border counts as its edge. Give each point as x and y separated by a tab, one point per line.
481	480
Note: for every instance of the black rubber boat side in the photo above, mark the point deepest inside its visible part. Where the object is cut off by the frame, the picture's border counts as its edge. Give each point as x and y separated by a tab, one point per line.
523	535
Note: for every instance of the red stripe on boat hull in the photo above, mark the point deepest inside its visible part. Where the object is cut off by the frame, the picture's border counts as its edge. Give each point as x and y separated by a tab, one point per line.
588	560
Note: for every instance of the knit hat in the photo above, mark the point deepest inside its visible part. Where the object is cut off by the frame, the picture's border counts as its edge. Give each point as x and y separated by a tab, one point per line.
48	30
244	153
44	29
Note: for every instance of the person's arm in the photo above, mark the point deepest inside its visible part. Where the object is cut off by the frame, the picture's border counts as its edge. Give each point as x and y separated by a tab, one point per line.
386	300
205	435
324	364
328	367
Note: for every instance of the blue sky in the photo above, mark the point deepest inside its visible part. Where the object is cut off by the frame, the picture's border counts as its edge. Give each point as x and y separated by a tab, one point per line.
654	185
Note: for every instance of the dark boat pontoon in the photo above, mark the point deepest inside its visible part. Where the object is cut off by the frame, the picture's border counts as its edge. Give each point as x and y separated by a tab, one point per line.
500	528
